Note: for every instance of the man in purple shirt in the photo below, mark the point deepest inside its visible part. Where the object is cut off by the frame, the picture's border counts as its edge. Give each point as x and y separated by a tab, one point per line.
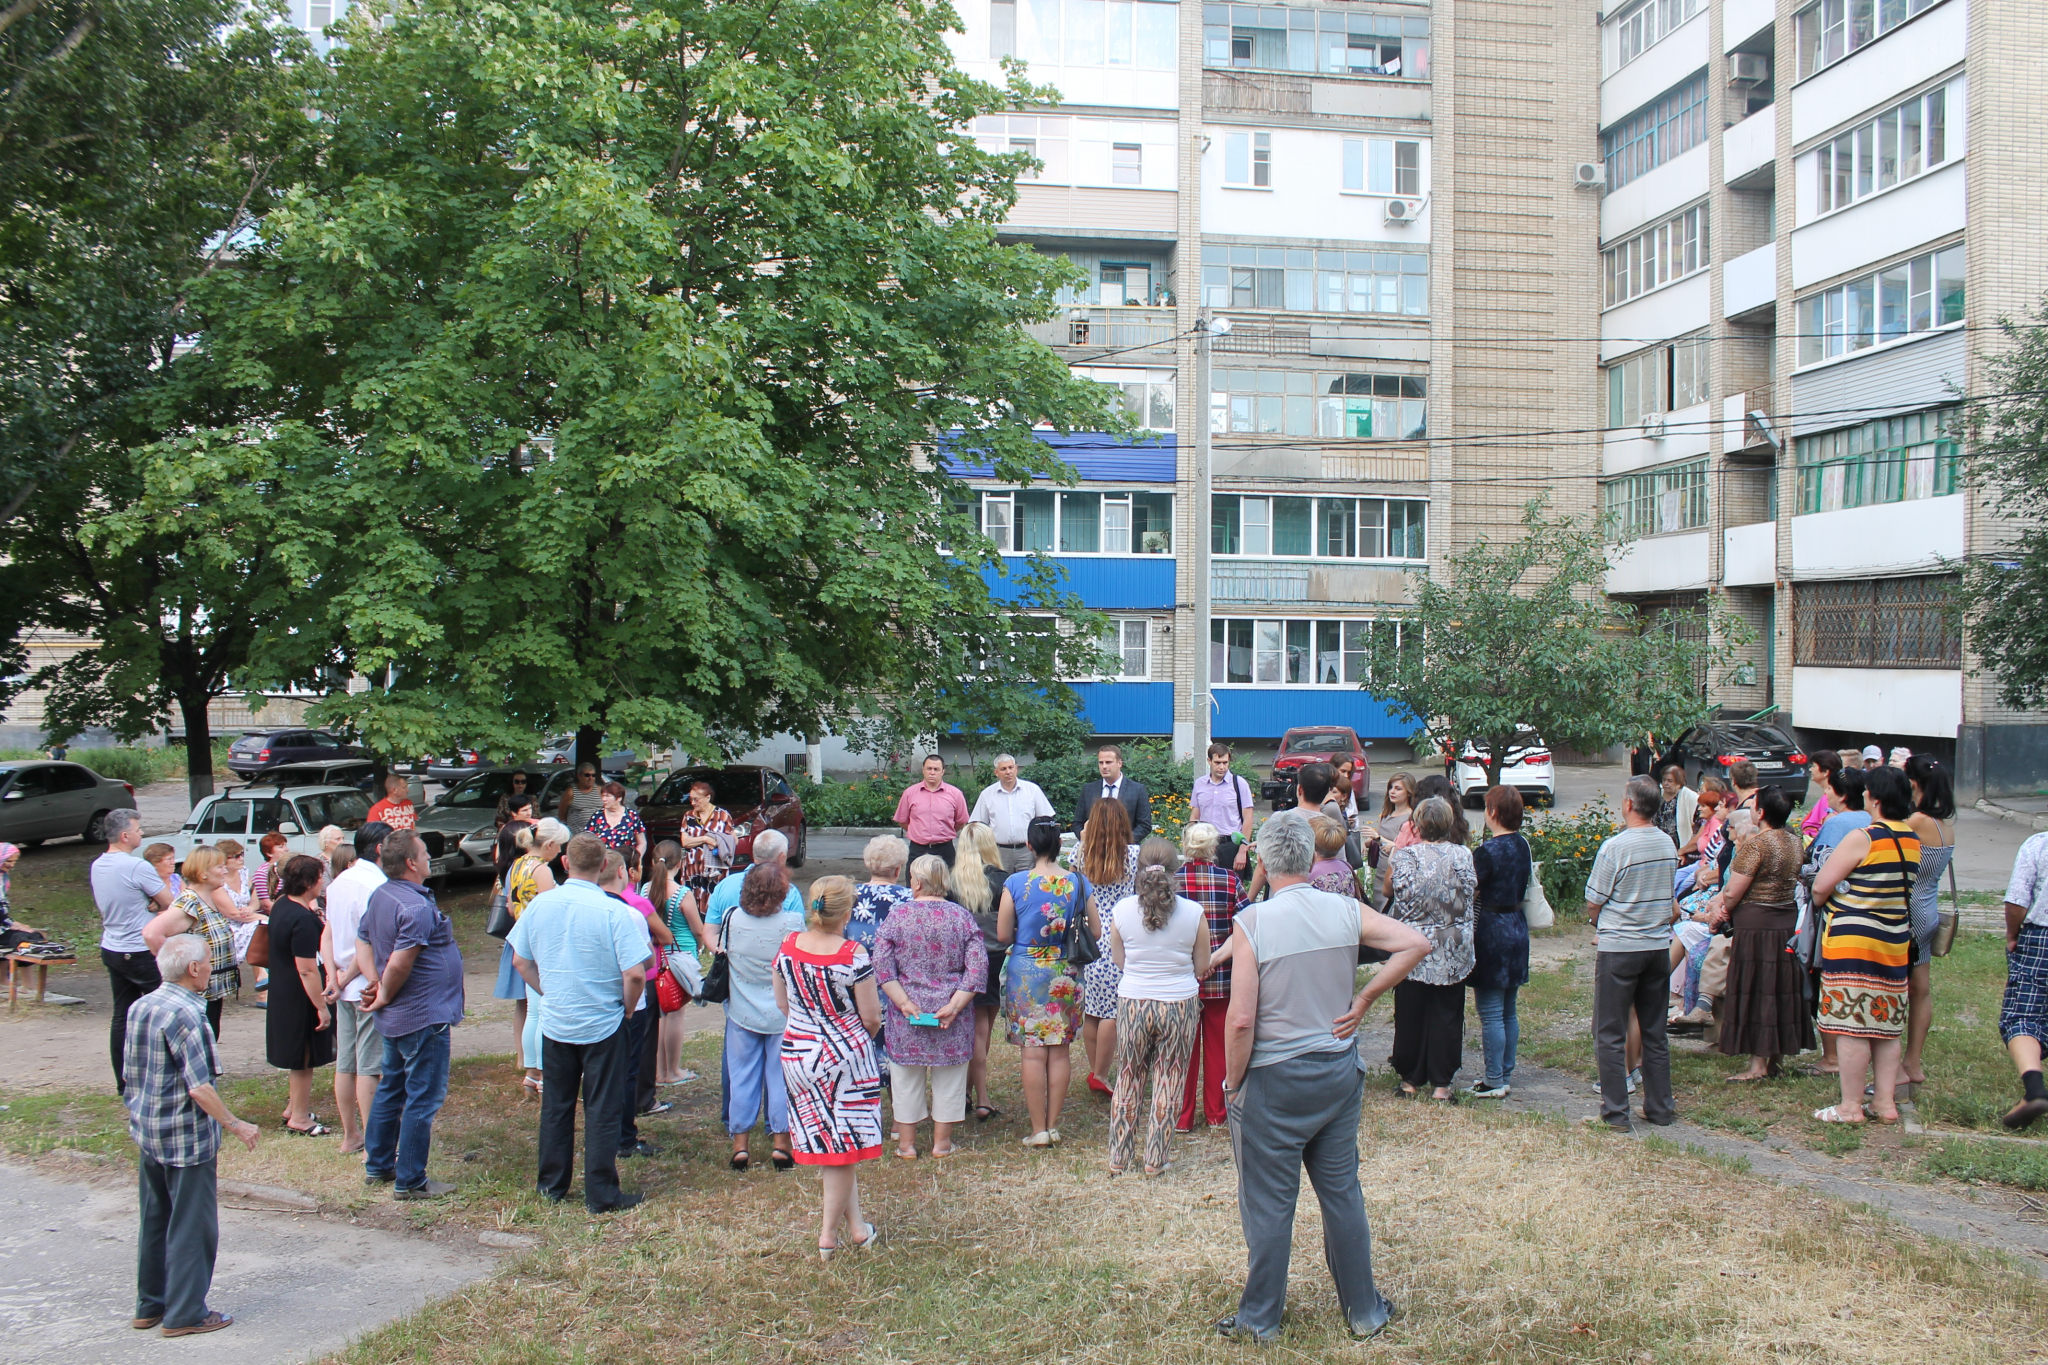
1223	799
931	813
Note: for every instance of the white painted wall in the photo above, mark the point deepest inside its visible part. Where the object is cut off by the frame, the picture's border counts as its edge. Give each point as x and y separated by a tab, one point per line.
1659	564
1117	87
1917	213
1749	145
1658	315
1893	537
1676	56
1744	19
1307	197
1749	554
1686	435
1916	51
1650	198
1885	701
1088	153
1750	280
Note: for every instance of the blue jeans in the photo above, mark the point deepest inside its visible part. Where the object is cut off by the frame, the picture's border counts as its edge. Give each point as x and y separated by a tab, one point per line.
400	1128
1499	1031
753	1070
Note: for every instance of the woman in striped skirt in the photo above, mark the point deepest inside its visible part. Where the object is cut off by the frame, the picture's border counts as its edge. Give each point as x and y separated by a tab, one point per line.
1866	886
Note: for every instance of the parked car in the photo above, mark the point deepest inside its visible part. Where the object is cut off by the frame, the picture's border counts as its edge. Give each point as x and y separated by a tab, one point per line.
260	750
1306	744
246	814
1714	748
756	798
1526	767
452	766
360	773
562	749
467	813
43	800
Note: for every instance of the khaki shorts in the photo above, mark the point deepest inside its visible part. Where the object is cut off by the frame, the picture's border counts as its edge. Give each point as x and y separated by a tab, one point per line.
358	1046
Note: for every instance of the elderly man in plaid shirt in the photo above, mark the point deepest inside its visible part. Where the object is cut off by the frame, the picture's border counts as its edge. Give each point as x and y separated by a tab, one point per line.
175	1116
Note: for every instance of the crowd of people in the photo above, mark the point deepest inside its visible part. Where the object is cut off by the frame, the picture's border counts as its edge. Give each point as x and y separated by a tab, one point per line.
1213	977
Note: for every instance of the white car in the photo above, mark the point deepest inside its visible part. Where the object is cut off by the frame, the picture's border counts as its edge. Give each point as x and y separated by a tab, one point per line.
246	814
1527	769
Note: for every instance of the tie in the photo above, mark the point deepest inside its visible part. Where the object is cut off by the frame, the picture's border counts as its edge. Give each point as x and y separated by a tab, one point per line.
1109	791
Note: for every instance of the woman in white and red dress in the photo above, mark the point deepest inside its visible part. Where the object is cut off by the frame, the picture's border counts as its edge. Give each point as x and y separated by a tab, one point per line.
825	985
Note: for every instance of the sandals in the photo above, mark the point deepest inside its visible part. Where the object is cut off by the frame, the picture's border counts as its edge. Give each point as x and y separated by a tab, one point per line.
782	1159
826	1253
938	1155
318	1129
910	1155
984	1112
1832	1114
530	1085
739	1160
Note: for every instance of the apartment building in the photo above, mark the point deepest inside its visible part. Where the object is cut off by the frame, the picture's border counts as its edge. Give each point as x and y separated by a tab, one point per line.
1813	215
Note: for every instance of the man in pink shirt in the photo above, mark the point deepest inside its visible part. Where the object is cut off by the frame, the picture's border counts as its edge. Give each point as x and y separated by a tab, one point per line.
931	813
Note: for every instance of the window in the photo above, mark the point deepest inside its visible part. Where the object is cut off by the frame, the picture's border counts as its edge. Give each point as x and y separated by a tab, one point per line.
1654	258
1877	623
222	817
347	810
1126	163
1002	28
1909	296
1124	283
1648	21
1896	146
1665	128
1321	528
1338	406
1893	459
1661	379
1147	394
1304	281
1381	165
1344	43
1063	521
1311	653
1655	502
1831	30
1032	134
1140	35
1129	642
319	14
1248	160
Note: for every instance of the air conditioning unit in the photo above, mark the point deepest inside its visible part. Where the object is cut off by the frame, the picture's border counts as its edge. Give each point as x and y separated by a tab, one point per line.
1653	426
1589	175
1403	210
1748	68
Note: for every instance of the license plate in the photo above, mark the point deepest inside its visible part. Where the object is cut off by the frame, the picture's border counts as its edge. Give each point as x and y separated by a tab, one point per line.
1764	765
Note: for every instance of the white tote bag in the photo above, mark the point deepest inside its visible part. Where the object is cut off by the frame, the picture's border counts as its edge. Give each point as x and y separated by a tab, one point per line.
1536	905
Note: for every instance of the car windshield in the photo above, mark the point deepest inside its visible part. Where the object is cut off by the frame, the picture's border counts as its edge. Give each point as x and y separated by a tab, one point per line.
1754	737
731	790
484	790
347	810
1325	742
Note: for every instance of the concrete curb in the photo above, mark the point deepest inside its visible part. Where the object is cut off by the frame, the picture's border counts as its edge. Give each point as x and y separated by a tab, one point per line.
848	830
2036	823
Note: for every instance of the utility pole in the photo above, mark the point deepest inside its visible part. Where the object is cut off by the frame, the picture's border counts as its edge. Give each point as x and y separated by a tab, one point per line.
1207	328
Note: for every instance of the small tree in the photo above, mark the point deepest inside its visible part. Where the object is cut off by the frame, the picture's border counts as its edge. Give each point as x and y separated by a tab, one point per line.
1521	634
2003	598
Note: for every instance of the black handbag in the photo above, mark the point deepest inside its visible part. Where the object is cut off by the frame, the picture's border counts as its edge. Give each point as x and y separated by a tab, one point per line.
498	922
1078	947
718	980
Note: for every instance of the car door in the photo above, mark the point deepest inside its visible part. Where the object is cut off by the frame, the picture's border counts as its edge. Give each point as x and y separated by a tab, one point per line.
73	792
227	817
25	805
780	810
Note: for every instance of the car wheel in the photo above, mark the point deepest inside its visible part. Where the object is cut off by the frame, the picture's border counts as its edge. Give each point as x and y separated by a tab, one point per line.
96	828
803	838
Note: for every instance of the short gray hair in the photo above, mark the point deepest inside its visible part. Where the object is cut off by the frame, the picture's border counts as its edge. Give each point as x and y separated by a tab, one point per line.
1434	820
770	846
116	823
1644	797
1198	842
885	853
180	953
930	874
1287	845
1001	759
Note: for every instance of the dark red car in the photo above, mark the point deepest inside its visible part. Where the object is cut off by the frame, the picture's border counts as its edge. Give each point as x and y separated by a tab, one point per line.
756	798
1308	744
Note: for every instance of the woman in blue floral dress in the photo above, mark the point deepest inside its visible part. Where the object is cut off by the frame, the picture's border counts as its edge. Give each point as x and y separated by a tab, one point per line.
1041	992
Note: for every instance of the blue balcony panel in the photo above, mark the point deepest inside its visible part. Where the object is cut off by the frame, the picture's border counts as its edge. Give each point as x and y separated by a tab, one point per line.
1267	712
1106	583
1127	708
1095	456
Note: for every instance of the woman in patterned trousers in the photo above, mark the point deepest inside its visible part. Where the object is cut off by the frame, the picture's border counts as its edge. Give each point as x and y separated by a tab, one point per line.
1161	941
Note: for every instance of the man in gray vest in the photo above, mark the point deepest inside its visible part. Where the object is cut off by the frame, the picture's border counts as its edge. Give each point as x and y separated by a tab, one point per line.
1292	1076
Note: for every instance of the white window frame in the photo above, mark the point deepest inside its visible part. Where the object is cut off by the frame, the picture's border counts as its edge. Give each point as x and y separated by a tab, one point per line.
1346	667
1854	158
1248	161
1000	507
1127	163
1158	385
1675	249
1255	528
1648	23
1658	377
1382	167
1823	317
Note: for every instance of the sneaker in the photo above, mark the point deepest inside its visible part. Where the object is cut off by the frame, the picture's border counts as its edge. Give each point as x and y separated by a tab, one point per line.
379	1177
212	1322
1482	1090
1635	1078
640	1148
433	1189
658	1107
1227	1327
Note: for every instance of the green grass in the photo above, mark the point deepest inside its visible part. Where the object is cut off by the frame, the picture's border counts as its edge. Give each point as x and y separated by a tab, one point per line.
2023	1166
51	890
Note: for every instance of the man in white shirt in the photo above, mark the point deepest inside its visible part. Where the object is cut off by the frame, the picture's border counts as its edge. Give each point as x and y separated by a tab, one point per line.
358	1046
1008	806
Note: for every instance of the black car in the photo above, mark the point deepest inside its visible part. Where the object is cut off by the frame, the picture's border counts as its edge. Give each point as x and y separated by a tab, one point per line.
360	773
261	750
1715	747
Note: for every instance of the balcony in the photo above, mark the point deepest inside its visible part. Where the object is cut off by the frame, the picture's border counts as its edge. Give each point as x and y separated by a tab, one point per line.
1750	281
1749	151
1109	328
1749	554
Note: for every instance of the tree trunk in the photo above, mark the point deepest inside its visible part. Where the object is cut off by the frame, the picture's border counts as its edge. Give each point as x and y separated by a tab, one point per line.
589	740
198	749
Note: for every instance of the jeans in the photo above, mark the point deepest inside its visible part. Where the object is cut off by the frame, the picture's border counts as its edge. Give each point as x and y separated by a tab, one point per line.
1641	982
1291	1114
753	1072
134	975
180	1235
1499	1031
400	1128
597	1070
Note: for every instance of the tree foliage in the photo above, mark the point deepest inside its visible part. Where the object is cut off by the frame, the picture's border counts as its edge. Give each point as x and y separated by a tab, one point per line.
592	379
2004	597
1520	633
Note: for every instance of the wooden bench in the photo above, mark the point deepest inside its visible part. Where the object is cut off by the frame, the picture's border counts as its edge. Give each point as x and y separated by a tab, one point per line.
16	961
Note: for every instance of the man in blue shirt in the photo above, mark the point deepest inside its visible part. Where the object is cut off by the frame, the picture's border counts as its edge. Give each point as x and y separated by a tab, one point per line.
416	995
770	846
586	955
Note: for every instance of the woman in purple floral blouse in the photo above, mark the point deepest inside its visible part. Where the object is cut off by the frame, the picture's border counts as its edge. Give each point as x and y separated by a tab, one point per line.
929	960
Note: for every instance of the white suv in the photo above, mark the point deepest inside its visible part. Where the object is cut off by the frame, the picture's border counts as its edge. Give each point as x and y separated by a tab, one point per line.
1527	769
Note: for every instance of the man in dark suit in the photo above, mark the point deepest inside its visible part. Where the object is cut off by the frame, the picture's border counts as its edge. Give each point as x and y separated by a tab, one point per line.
1109	761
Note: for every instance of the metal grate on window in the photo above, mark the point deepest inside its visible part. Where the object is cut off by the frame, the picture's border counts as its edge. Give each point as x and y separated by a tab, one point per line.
1878	623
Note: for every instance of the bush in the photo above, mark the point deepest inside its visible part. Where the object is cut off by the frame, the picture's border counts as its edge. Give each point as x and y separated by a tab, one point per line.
135	764
1566	845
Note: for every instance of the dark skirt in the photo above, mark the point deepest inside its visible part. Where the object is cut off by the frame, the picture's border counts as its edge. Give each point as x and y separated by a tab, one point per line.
1765	1012
1500	949
292	1038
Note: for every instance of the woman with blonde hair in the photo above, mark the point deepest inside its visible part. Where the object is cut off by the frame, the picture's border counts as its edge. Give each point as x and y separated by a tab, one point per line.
194	912
976	884
825	985
1109	862
537	845
1161	941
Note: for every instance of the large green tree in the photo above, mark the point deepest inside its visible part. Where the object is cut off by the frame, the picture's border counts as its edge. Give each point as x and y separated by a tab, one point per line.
2004	596
1520	632
623	339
